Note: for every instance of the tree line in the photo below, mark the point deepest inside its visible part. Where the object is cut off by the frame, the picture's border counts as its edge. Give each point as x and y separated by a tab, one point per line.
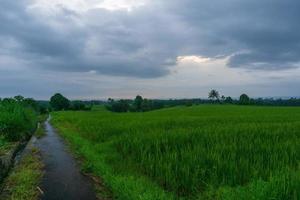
59	102
244	99
140	104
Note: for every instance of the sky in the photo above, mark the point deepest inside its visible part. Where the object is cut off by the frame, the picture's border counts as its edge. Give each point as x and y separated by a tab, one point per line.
96	49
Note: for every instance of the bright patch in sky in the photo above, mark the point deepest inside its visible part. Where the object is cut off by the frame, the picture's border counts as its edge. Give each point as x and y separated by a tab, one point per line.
83	5
193	58
121	4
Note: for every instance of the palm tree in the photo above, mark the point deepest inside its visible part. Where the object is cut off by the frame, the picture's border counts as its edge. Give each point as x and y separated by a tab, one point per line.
214	94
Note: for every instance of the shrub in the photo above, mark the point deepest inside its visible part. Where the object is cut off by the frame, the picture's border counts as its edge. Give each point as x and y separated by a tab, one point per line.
16	120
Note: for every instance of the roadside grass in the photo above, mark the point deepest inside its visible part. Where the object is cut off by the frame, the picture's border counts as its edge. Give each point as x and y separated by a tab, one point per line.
42	118
22	183
201	152
16	121
40	131
5	146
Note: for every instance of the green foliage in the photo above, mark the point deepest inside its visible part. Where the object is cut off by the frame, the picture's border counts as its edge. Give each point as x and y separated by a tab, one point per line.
118	106
139	104
146	105
138	101
285	185
43	109
17	121
4	145
228	100
40	131
244	99
199	152
59	102
214	94
188	103
22	183
80	105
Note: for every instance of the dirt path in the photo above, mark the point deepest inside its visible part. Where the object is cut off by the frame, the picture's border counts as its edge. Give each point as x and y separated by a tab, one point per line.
62	179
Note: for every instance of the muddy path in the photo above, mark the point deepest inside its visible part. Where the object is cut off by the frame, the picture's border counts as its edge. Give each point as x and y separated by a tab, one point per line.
62	179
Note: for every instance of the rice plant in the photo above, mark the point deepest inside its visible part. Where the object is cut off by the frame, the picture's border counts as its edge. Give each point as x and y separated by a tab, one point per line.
200	152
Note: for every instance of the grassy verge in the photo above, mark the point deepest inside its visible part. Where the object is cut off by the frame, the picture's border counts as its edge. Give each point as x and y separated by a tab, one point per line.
22	183
40	132
123	185
5	146
42	118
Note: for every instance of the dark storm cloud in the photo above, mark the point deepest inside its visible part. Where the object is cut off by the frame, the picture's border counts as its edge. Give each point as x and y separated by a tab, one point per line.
256	34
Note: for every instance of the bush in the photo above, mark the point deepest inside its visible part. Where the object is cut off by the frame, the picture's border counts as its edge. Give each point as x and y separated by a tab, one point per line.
119	106
139	104
79	105
16	120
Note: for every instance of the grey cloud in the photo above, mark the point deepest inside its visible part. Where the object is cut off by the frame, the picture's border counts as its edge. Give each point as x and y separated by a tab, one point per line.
108	43
267	30
146	42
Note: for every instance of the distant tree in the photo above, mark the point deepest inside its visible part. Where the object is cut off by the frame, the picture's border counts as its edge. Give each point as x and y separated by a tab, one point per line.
228	100
9	100
43	109
223	98
78	105
59	102
120	106
146	105
32	103
214	95
244	99
188	103
110	100
19	98
138	103
157	105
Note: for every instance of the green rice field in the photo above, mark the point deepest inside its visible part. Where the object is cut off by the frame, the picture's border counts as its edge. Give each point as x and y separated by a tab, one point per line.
199	152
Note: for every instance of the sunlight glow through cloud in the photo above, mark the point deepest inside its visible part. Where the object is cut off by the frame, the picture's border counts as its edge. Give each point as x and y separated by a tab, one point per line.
121	4
192	58
84	5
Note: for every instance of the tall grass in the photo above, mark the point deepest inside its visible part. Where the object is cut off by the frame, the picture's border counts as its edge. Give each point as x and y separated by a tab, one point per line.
203	152
16	120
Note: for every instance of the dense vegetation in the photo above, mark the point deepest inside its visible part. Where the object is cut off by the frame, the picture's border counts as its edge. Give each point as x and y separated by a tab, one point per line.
59	102
199	152
18	118
139	104
22	183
